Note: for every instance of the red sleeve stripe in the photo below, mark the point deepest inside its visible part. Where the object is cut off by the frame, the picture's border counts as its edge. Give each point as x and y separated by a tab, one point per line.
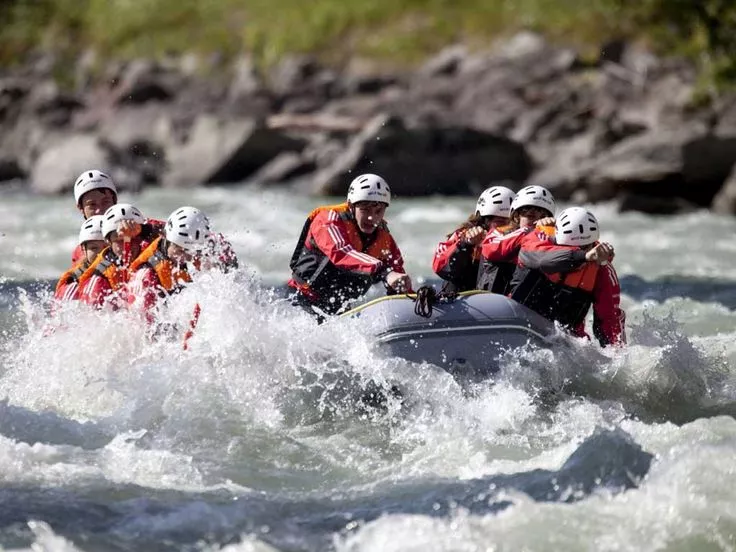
613	277
69	291
137	286
346	248
90	285
510	235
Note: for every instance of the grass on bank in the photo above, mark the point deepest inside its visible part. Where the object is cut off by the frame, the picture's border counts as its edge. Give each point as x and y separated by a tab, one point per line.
396	31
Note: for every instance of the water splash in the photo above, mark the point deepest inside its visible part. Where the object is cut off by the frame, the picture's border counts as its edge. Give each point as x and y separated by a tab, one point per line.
267	404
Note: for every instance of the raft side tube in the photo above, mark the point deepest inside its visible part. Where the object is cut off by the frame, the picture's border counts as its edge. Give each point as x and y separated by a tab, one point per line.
465	336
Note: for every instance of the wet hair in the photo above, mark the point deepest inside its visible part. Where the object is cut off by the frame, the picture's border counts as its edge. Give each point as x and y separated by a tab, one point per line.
473	220
476	220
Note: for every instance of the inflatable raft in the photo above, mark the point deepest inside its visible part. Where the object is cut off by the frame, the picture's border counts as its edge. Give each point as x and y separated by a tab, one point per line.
464	336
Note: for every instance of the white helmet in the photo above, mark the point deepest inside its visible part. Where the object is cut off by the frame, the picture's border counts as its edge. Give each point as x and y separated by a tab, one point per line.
534	196
369	187
92	180
188	227
91	229
495	202
576	226
118	213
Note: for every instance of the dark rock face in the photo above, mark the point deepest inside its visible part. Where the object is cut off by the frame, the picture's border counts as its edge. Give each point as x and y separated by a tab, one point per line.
528	112
425	160
9	170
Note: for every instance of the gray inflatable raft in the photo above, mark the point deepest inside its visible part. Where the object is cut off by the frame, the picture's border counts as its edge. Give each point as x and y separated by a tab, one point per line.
465	336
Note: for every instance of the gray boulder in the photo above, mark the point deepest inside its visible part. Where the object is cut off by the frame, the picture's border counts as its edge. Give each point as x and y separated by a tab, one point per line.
725	200
687	163
61	162
285	166
130	125
222	151
425	160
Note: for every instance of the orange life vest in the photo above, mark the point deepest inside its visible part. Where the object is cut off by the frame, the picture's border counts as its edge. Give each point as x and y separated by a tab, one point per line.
583	278
379	247
565	297
105	265
548	231
170	277
505	229
381	244
315	276
74	274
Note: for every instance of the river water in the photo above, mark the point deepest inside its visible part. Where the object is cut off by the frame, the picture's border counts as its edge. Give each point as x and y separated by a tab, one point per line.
260	438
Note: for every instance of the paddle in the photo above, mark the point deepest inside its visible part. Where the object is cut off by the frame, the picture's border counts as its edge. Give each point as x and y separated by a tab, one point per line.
192	325
126	251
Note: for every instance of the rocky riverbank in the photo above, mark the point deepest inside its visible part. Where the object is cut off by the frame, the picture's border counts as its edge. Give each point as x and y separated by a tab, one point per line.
623	126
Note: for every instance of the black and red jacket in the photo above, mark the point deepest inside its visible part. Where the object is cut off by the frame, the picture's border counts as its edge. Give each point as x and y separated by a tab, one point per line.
150	230
334	262
557	282
456	261
499	252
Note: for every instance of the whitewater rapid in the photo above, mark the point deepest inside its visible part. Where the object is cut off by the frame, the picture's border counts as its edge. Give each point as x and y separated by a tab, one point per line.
259	437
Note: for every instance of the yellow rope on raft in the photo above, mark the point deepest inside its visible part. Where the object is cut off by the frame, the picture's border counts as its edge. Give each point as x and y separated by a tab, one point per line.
411	296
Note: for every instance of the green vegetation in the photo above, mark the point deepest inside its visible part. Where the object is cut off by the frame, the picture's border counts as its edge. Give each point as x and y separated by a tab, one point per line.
398	31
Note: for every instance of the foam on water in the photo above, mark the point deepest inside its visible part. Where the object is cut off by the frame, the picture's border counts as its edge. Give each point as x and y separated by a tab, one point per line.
680	507
256	362
267	406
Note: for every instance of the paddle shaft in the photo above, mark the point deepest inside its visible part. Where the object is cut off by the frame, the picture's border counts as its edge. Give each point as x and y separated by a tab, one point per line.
192	325
127	253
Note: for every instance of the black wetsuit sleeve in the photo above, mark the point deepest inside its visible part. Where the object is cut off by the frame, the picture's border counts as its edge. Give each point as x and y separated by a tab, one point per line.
459	263
562	260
